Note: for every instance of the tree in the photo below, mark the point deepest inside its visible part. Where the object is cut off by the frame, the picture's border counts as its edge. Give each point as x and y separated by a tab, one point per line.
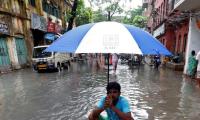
137	11
134	17
106	7
99	16
78	15
139	21
84	16
72	14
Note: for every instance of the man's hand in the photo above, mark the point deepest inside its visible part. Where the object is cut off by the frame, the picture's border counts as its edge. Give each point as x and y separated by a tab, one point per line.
108	102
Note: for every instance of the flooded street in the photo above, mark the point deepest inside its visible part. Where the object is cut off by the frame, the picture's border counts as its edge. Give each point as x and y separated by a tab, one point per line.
70	94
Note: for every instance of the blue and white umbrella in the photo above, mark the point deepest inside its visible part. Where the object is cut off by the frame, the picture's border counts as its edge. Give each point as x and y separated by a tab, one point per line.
108	37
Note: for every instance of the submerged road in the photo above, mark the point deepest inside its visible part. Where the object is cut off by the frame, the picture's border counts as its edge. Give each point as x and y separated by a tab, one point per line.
68	95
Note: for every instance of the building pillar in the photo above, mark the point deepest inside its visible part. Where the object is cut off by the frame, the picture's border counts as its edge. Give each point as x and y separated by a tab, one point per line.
193	40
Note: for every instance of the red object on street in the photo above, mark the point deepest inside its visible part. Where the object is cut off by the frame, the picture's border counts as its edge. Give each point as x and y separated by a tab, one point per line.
110	60
198	23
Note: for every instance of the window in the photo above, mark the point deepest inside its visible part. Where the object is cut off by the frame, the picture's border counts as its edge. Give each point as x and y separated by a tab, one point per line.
54	11
44	5
32	2
58	12
51	9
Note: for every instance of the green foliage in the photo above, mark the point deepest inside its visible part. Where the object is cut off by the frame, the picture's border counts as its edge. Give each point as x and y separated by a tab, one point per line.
106	9
137	11
67	15
139	21
126	20
99	16
83	14
114	8
84	17
134	17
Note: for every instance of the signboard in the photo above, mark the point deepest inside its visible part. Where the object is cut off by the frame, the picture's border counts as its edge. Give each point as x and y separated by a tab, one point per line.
4	28
38	22
5	21
159	31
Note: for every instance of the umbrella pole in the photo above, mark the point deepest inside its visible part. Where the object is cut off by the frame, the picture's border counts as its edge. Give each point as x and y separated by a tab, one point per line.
109	19
108	69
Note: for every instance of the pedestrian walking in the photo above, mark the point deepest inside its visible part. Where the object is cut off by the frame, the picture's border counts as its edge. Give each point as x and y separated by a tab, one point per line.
114	62
157	61
192	65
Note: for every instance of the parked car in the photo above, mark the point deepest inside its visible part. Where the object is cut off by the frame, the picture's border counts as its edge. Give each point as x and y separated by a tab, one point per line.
42	61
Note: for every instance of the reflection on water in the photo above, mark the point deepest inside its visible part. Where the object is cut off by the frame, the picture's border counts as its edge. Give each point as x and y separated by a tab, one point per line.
70	94
2	100
19	90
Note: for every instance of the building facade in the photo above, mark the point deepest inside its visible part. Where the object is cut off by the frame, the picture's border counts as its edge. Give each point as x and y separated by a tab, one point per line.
14	40
190	8
173	23
25	24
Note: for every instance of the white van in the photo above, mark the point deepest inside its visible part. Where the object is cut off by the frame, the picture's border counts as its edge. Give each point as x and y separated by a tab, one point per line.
42	61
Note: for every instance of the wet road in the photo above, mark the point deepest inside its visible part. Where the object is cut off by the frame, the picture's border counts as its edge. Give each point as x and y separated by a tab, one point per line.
70	94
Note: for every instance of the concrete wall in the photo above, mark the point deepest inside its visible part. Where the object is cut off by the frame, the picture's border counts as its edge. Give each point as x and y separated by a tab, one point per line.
180	32
169	39
193	40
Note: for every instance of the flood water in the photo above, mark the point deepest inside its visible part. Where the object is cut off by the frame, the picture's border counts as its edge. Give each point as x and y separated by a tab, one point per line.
70	94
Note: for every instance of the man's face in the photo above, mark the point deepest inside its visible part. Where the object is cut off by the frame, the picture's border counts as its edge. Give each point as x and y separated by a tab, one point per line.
115	95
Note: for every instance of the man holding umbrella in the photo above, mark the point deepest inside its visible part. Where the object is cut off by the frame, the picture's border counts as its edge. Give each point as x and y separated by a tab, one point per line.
116	106
109	37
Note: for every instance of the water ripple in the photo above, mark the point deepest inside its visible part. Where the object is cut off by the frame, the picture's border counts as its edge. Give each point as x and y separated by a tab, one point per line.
71	94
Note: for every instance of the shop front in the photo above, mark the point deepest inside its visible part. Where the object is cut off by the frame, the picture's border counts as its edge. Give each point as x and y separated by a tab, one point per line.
5	63
38	28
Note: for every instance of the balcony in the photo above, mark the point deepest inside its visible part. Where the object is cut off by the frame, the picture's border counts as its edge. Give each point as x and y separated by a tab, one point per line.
187	5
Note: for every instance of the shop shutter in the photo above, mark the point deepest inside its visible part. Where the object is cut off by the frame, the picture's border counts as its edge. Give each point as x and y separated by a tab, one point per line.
4	55
21	50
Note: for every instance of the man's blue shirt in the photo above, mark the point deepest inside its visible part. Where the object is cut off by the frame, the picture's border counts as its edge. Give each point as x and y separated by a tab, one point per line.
122	105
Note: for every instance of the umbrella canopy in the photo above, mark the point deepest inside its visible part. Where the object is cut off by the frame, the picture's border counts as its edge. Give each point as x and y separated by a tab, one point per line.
108	37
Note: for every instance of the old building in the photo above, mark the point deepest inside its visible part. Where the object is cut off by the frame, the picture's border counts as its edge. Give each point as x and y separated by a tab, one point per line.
13	35
170	21
157	22
25	24
190	8
47	19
